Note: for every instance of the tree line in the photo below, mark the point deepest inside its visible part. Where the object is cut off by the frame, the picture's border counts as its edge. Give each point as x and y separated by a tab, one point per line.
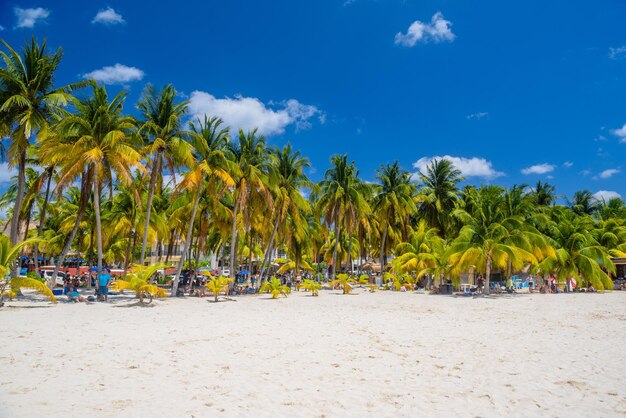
101	183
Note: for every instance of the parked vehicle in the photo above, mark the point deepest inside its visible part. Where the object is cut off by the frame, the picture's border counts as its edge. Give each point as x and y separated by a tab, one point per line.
47	274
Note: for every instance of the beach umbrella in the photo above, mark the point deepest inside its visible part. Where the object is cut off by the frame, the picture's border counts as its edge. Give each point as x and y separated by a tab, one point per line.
243	272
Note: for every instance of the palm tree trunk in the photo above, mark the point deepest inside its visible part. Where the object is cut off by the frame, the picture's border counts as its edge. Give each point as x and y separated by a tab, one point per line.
382	251
487	275
70	238
170	246
187	238
250	254
15	218
42	217
146	227
233	241
268	252
337	232
96	207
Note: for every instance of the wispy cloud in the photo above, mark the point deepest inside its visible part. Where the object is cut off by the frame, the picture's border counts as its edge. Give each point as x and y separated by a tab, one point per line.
469	167
538	169
607	173
619	52
438	30
568	164
477	116
117	74
28	18
108	16
620	133
6	173
1	28
248	113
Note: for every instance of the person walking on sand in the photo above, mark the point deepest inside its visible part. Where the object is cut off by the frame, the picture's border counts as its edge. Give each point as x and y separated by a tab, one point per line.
103	281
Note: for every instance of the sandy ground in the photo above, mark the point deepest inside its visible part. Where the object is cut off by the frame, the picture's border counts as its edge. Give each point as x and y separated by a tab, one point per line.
385	354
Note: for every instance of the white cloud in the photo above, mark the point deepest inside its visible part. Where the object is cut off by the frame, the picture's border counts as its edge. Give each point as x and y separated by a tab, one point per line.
538	169
6	172
108	16
438	30
585	172
568	164
607	173
606	195
615	53
477	116
27	18
469	167
248	113
1	28
117	74
620	132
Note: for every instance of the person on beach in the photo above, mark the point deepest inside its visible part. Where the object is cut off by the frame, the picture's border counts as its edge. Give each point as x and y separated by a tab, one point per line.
74	296
103	281
481	284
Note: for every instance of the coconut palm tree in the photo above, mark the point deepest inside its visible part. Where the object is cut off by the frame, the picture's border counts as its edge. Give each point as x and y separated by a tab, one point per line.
28	101
138	280
439	195
98	139
393	201
274	287
163	135
583	203
489	238
209	139
342	200
543	194
249	155
288	181
578	253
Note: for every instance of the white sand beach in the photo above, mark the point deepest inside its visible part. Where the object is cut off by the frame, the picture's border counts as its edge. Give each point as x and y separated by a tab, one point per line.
385	354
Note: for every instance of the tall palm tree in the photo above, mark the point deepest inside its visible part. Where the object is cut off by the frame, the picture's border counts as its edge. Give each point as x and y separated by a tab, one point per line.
286	172
583	203
489	237
393	201
209	139
99	139
249	155
342	199
439	195
578	252
543	194
162	121
28	101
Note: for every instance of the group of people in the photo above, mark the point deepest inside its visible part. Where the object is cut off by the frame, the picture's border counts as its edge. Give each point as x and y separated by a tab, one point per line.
70	288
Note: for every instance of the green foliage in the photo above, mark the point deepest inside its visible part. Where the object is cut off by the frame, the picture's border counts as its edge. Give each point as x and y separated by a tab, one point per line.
274	287
218	285
311	286
138	279
344	281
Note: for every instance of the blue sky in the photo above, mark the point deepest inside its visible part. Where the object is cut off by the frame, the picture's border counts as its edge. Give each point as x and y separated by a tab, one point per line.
513	92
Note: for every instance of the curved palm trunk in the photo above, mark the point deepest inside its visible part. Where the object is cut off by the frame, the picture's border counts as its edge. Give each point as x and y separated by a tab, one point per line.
15	218
146	227
187	238
250	254
42	217
233	241
268	251
70	238
382	252
337	232
487	275
96	207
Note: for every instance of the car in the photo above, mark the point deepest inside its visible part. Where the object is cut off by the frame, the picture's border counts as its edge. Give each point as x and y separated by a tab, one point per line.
47	274
226	272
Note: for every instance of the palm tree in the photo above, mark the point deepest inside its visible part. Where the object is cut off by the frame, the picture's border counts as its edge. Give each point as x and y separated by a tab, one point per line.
274	287
393	201
138	281
209	139
28	100
489	238
439	195
98	141
250	174
162	120
342	199
578	253
583	203
543	194
288	181
614	208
